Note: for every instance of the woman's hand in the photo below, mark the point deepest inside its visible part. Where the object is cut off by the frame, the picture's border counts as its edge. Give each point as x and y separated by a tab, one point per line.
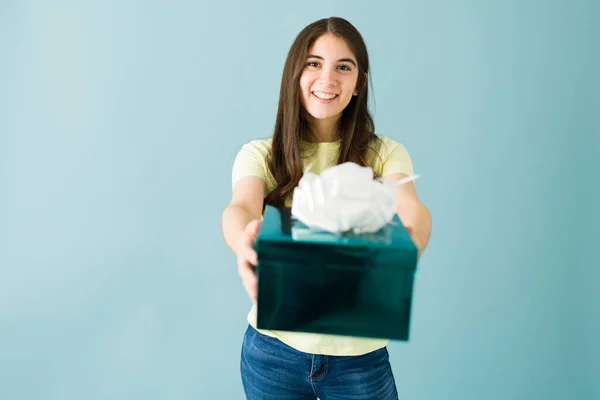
247	259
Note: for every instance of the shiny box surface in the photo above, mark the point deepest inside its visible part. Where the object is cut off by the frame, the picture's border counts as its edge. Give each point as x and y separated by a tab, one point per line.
342	284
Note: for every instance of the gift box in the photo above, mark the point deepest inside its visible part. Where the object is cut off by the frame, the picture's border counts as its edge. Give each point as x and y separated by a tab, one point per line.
354	284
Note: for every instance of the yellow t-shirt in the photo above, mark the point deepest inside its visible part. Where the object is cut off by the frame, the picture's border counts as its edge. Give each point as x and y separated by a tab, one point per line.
251	160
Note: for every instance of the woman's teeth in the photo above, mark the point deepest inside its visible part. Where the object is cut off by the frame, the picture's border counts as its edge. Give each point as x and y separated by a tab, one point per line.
324	96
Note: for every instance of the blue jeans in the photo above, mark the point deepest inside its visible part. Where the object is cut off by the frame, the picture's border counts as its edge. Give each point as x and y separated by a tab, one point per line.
273	370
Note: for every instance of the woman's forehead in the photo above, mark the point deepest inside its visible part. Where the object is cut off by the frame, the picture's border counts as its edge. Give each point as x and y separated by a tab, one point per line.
331	47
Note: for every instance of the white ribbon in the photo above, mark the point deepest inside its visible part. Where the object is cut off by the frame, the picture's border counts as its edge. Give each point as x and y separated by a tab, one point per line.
345	198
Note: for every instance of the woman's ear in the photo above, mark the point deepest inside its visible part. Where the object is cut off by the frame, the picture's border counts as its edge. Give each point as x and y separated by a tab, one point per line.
365	83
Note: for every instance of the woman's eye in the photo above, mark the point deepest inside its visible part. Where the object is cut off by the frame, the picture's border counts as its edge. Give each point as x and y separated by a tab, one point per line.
345	67
312	64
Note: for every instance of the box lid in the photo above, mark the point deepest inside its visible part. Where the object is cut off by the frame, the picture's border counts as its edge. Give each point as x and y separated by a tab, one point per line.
282	237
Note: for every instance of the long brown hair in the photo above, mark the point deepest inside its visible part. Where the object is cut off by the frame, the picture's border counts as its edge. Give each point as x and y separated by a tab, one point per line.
356	126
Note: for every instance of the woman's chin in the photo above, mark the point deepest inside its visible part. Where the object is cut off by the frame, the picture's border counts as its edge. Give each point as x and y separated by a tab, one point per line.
321	116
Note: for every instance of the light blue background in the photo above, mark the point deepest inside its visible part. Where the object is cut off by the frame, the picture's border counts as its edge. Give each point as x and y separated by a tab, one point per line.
119	122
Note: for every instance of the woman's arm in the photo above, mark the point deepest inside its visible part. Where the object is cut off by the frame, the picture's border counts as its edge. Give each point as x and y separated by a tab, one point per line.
413	214
240	223
245	206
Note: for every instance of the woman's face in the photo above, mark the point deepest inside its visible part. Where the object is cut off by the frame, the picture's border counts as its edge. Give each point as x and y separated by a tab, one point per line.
329	78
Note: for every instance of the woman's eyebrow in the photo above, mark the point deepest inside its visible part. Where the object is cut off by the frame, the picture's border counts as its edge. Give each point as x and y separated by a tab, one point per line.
351	61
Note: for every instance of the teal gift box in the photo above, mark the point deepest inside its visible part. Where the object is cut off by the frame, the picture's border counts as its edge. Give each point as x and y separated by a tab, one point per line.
343	284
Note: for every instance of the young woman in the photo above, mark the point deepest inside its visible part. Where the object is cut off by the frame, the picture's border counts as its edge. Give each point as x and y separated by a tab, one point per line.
322	119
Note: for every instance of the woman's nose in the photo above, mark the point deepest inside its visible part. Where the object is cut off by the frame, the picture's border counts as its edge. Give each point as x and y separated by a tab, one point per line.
327	77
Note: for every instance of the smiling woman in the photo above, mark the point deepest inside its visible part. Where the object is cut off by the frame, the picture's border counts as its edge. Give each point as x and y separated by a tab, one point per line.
328	79
322	119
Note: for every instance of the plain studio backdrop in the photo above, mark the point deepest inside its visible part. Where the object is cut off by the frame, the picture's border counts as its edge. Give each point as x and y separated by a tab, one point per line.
119	122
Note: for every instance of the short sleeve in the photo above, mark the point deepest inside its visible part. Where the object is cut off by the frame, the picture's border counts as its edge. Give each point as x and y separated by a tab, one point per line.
396	158
249	161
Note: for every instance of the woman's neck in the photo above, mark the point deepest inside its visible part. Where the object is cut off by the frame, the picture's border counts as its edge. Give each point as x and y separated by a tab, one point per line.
324	130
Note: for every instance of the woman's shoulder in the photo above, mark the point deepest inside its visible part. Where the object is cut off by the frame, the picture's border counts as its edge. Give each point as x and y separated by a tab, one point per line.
385	145
251	160
390	157
259	146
